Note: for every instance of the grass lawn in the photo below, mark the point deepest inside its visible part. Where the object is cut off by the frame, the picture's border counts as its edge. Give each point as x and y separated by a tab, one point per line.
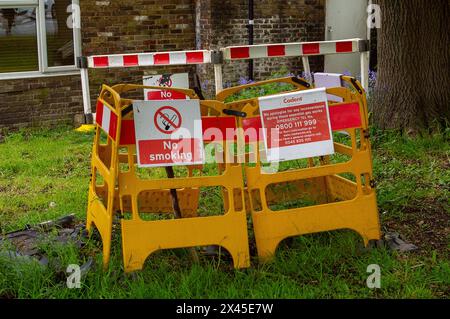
39	167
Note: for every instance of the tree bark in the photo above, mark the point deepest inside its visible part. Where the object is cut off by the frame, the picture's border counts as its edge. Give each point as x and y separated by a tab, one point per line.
412	93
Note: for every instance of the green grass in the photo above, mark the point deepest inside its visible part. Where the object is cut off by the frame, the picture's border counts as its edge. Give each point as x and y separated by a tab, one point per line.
38	167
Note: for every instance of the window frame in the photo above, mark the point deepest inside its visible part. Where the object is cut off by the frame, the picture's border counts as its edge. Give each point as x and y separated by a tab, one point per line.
41	34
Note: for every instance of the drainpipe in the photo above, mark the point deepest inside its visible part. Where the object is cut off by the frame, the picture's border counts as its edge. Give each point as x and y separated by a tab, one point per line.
250	36
198	34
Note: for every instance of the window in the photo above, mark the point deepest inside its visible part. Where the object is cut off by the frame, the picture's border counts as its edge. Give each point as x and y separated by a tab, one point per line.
37	38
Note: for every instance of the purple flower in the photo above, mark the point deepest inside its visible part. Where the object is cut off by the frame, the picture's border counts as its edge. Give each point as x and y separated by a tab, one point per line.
242	81
372	80
347	73
205	85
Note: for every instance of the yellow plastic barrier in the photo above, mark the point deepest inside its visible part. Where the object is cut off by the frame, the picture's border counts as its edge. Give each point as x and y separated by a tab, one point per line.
325	198
324	194
133	196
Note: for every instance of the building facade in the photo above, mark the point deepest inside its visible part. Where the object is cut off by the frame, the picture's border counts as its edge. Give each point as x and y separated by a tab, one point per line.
40	84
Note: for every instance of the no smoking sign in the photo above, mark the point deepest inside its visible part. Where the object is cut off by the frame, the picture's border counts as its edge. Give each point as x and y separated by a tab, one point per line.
168	133
178	80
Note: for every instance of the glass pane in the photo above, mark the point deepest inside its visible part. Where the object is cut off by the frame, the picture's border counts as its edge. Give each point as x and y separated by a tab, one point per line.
18	40
59	35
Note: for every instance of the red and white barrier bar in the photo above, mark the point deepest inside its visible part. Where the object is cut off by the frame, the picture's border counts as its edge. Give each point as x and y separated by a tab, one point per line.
303	49
136	60
149	59
291	49
300	49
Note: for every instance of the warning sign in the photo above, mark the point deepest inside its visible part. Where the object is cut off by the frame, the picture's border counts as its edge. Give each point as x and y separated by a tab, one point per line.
178	80
168	133
167	119
296	125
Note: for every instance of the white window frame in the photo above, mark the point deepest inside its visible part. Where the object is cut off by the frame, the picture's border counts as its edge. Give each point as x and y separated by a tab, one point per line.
44	70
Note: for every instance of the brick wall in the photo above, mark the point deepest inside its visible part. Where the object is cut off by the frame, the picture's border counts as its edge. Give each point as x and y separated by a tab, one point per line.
274	22
39	101
129	26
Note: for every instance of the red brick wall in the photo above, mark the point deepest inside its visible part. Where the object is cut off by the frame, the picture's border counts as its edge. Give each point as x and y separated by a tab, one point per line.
274	22
39	101
128	26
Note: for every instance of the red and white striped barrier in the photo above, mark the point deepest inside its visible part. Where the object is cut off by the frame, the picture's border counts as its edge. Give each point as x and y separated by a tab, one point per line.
149	59
291	49
303	49
106	119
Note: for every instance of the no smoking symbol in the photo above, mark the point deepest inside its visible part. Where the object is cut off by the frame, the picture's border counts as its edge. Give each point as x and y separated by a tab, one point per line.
167	119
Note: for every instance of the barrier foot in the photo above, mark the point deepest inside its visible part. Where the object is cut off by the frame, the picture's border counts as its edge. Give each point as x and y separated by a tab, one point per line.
85	128
267	249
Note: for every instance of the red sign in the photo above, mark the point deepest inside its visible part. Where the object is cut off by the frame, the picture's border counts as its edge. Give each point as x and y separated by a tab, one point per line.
298	124
165	95
154	152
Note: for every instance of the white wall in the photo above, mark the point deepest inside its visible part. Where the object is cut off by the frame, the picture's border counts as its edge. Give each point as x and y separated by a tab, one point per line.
345	19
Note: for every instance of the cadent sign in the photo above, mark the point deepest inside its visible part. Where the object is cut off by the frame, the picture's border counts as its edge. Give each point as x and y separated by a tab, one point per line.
168	133
296	125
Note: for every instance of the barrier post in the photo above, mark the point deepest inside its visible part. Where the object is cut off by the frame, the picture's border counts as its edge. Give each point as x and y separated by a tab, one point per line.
306	68
84	73
365	61
217	60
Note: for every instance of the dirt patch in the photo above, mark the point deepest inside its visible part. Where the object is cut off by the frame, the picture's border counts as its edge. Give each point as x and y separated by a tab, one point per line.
25	242
427	226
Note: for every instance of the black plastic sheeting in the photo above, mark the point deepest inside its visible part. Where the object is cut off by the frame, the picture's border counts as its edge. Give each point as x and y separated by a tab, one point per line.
23	245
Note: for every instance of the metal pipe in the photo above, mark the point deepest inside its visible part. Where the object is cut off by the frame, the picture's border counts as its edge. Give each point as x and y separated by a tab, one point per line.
250	35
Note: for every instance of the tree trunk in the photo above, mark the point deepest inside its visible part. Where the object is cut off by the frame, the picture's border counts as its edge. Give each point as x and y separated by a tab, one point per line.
412	93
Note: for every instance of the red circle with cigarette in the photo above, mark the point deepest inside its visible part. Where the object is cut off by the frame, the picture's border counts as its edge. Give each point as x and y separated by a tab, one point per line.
167	119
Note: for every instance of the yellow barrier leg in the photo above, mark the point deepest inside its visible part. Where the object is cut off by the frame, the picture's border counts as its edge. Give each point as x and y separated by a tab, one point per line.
359	215
142	238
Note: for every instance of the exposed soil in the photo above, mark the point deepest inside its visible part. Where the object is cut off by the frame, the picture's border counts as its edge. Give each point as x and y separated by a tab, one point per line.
427	226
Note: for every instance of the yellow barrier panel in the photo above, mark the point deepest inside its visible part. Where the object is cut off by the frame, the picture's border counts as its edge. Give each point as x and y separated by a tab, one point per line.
324	197
104	168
